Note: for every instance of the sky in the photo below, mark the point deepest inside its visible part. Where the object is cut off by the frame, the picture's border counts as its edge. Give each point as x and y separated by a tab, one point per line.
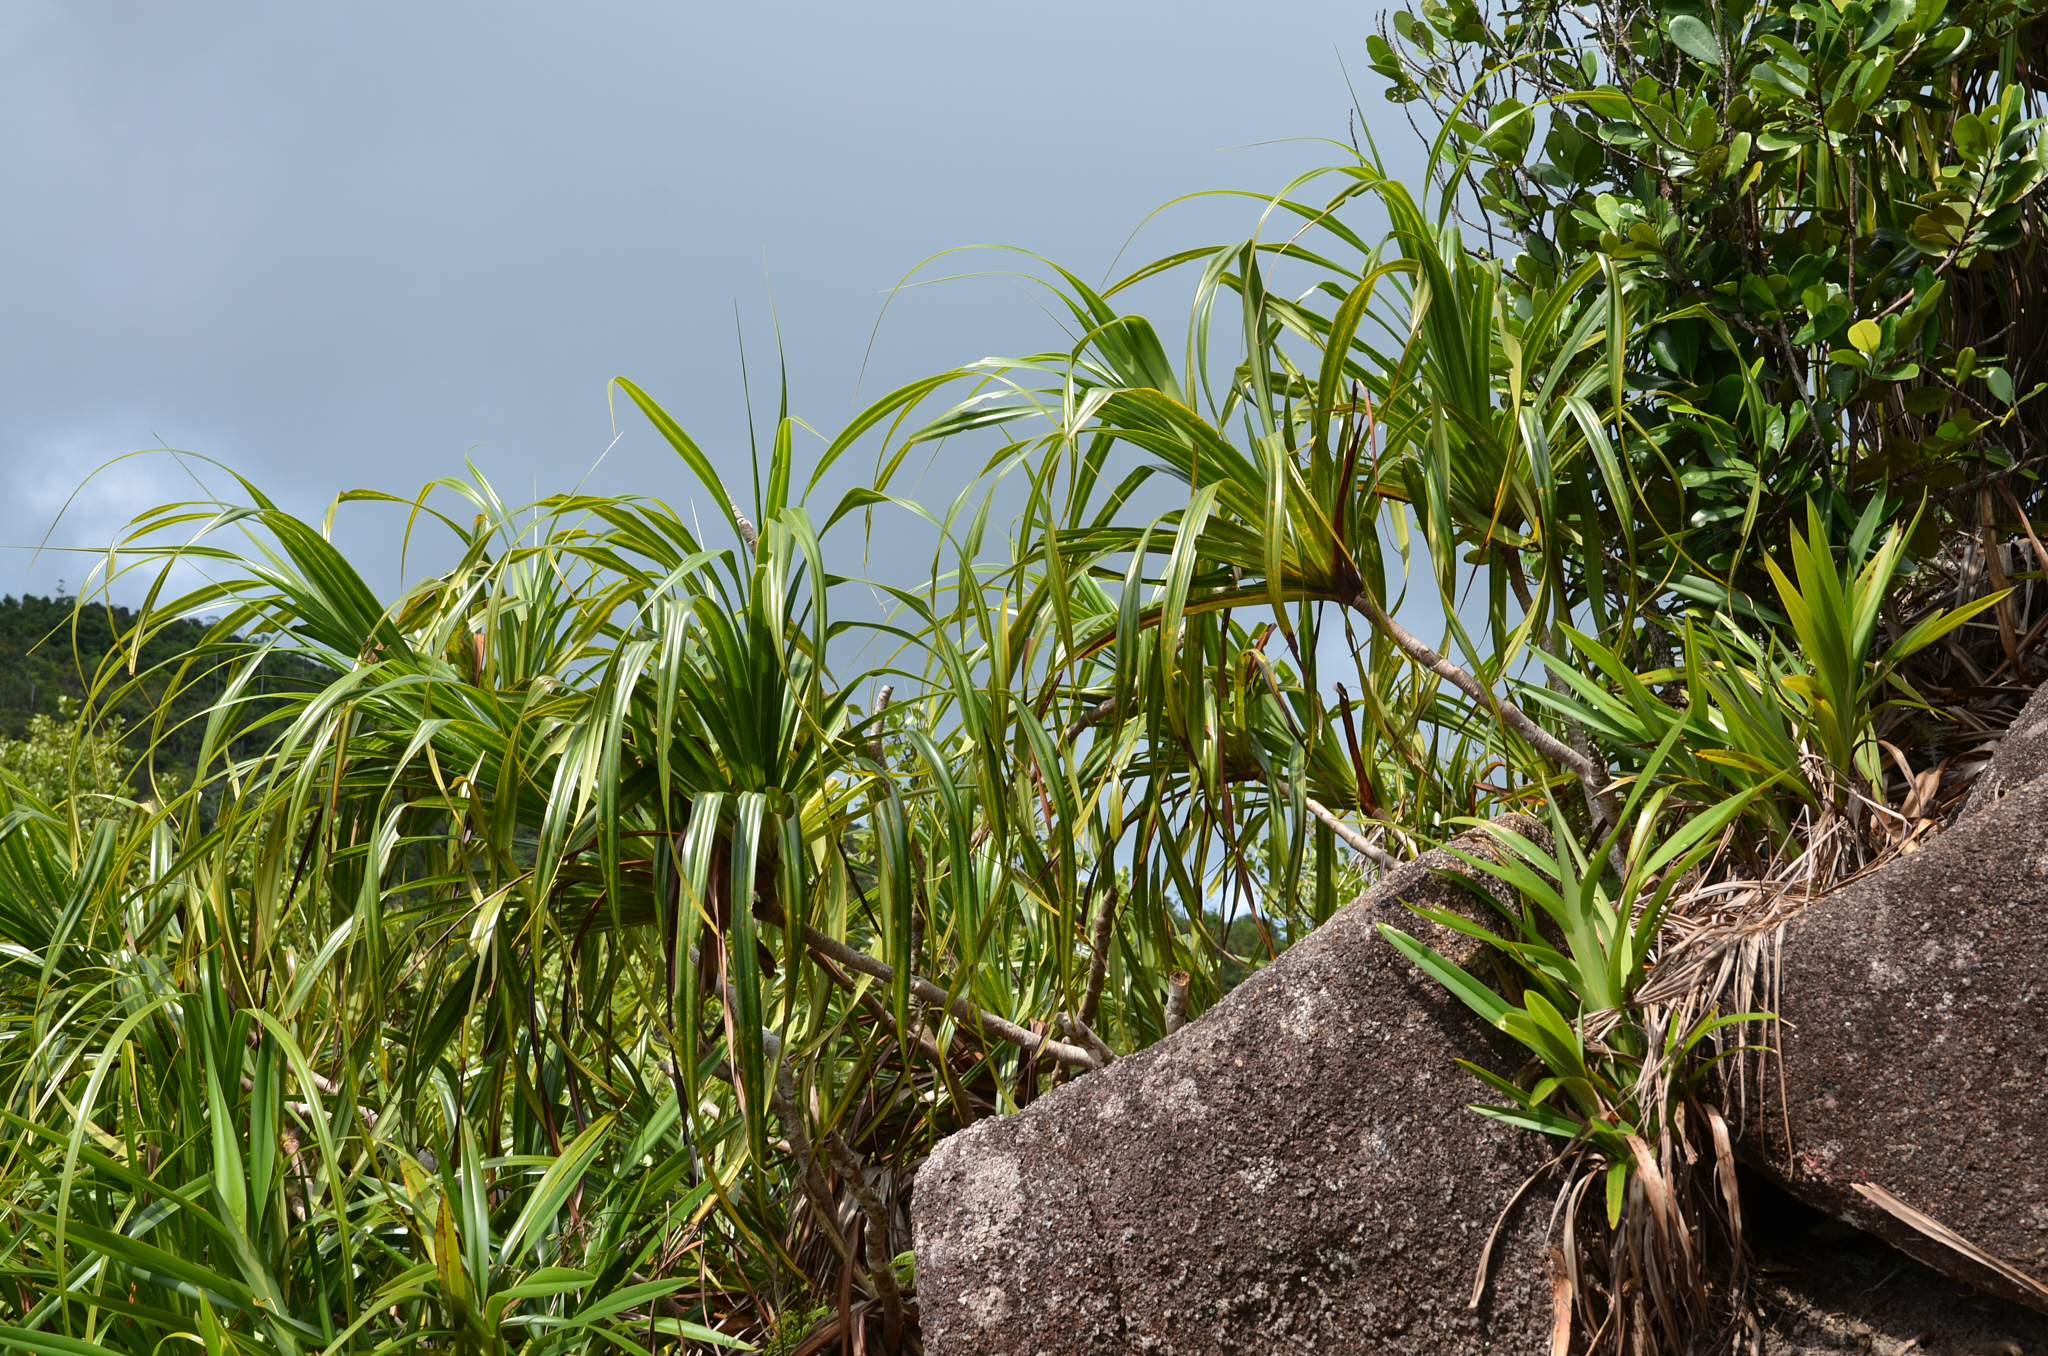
350	246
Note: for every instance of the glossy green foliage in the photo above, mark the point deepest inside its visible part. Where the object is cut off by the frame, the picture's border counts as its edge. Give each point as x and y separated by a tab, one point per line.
1822	213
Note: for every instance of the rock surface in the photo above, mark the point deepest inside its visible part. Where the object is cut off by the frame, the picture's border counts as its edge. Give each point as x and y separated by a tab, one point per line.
1296	1171
1887	1306
1915	1005
2022	755
1821	1287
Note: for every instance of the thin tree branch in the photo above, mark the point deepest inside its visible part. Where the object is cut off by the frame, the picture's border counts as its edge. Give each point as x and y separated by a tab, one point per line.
880	1265
1353	839
1102	710
1591	776
747	533
783	1102
882	696
968	1014
1084	1033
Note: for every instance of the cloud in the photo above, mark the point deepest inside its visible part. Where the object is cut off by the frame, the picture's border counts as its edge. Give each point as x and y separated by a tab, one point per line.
67	497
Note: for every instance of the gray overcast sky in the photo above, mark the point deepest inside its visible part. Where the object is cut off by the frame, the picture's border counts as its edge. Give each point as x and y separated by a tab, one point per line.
336	246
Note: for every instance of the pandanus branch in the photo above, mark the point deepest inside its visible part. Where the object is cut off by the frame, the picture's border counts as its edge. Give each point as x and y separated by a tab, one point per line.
783	1102
969	1015
1352	838
880	1266
1177	1001
966	1012
1098	964
1590	774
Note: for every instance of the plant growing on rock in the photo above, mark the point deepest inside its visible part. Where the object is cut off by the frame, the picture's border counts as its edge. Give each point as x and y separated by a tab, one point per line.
1619	1078
1616	1078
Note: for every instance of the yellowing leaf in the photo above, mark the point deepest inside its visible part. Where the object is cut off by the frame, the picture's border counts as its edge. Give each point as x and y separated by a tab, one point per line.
1866	336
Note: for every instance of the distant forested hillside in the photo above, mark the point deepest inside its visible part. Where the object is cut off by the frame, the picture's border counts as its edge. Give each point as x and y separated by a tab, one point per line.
51	649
